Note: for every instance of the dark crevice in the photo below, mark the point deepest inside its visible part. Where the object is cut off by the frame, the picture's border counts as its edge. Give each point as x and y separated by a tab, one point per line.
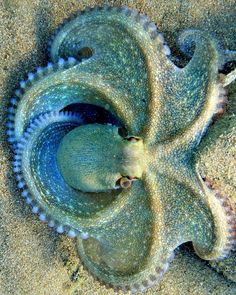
123	132
92	114
75	274
84	53
228	67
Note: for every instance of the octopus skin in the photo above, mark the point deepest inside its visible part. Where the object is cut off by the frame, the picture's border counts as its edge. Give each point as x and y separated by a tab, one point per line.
128	188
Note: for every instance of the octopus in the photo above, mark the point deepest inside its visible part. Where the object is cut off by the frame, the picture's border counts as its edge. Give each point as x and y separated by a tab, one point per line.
105	140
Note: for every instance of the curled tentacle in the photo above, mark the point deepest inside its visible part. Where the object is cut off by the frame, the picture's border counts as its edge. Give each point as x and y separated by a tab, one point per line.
45	189
136	261
193	95
229	232
224	224
16	122
147	277
90	29
194	213
134	55
65	83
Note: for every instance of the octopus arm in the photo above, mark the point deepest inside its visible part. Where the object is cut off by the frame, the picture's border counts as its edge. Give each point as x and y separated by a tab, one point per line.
192	95
126	51
129	254
166	214
62	207
195	213
59	85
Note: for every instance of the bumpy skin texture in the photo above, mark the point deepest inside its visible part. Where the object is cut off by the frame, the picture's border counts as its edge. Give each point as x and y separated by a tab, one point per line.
126	236
216	157
94	163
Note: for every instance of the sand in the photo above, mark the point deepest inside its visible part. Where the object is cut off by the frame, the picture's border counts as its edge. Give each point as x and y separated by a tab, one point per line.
34	260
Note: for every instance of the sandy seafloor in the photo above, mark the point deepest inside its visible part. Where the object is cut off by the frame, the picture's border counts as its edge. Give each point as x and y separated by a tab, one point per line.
34	260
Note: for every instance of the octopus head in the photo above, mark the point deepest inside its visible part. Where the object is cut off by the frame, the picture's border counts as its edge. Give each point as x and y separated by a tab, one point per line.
97	158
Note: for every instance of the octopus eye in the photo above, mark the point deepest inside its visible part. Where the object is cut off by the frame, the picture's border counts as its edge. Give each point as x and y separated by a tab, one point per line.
123	132
124	182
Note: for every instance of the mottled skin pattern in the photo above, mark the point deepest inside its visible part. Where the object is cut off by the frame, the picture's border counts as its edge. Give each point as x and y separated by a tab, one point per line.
127	234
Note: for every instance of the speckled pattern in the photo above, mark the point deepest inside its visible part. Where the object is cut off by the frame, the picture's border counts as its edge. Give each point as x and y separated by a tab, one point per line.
219	148
192	289
165	108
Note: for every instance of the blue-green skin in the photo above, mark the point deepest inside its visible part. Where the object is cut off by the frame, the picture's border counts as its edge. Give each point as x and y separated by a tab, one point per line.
132	233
